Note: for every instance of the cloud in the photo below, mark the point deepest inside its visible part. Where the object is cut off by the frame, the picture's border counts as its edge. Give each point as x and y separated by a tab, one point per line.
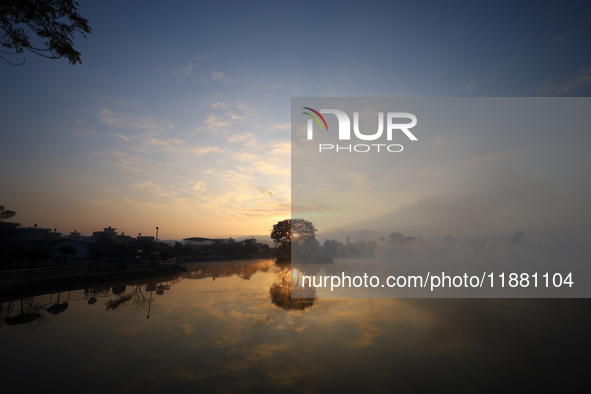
245	108
241	137
153	187
238	211
122	160
110	118
248	139
183	72
300	206
281	126
218	76
280	149
200	185
220	105
181	202
266	193
258	164
84	133
233	116
124	138
127	120
170	143
240	197
583	78
213	124
469	85
203	150
359	181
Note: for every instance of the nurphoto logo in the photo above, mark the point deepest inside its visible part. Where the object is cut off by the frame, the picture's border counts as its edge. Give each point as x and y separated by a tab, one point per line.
344	132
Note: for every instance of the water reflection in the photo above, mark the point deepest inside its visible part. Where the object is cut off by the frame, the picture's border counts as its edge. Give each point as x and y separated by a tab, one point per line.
242	332
281	292
27	314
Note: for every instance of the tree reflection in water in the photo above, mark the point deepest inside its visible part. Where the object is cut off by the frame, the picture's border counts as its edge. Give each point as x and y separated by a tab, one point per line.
58	307
281	293
134	300
28	314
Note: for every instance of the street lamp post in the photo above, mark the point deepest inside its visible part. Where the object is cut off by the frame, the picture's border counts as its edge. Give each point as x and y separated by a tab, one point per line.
156	236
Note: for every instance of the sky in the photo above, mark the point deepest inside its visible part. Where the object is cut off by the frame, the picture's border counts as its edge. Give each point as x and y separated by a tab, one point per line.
179	115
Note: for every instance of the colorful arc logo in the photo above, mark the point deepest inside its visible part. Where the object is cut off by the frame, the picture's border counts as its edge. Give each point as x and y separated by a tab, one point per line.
315	118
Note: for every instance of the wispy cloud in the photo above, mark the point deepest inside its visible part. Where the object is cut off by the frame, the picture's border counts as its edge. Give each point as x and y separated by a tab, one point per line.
213	124
183	72
121	136
469	85
359	181
150	144
220	105
233	116
302	206
84	133
242	106
203	150
199	185
123	160
281	126
247	139
132	121
218	76
154	188
583	78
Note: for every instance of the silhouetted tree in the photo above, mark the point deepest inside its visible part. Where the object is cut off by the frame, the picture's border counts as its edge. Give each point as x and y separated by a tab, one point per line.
54	20
5	214
304	232
399	239
292	229
67	250
281	236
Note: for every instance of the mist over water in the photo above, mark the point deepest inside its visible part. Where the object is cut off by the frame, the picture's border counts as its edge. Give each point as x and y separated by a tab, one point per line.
416	257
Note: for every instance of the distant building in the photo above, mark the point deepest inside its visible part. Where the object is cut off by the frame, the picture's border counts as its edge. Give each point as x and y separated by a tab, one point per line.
123	239
200	242
74	235
111	232
141	237
36	239
37	234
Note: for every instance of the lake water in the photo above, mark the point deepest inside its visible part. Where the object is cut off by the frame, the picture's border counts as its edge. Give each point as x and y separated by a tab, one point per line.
232	327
